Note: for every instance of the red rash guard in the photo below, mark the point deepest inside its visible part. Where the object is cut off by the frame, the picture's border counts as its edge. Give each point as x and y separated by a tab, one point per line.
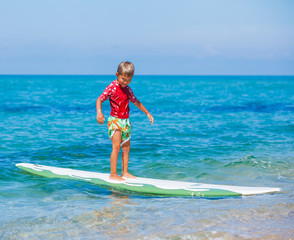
119	99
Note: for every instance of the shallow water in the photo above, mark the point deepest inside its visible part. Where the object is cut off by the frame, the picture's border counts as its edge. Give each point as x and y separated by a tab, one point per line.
220	130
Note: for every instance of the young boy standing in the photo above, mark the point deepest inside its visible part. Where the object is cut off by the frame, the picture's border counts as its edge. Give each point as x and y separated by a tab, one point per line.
119	126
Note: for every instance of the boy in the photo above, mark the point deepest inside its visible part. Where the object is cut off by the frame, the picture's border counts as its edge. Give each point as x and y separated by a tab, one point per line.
119	126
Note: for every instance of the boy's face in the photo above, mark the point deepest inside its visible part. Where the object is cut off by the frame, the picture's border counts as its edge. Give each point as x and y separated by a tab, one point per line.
124	80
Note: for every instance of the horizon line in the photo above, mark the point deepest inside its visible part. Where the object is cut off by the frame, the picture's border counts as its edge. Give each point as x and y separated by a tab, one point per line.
180	75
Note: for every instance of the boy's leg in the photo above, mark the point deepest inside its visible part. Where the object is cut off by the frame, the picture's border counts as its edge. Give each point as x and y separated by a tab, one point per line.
125	159
116	141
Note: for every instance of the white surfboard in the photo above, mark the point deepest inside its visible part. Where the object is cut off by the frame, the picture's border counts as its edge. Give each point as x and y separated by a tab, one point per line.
146	185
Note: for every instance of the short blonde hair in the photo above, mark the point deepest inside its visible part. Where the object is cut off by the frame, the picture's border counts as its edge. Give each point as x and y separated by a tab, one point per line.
126	68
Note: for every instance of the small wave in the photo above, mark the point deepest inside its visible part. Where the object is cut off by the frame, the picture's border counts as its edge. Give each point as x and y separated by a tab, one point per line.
23	108
255	107
273	167
249	160
252	107
252	161
26	108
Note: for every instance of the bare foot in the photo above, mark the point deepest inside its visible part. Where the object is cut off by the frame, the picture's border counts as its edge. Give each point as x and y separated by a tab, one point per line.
116	177
128	175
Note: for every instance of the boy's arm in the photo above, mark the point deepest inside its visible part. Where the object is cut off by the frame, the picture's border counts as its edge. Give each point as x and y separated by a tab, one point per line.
139	105
100	116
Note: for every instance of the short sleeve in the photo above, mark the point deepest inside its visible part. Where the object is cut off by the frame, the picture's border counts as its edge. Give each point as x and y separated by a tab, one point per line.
107	92
131	95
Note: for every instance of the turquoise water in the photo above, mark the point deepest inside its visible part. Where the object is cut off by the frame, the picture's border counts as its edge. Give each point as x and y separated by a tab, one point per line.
209	129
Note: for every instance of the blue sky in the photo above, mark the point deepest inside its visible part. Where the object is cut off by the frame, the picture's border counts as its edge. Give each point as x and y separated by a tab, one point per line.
189	37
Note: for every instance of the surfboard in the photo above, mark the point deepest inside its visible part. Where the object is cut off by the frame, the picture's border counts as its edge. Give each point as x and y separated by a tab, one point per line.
146	186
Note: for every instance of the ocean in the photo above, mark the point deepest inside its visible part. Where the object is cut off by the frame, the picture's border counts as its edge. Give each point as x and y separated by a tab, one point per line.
235	130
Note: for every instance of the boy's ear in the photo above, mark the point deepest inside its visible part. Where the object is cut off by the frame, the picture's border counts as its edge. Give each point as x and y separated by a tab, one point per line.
116	74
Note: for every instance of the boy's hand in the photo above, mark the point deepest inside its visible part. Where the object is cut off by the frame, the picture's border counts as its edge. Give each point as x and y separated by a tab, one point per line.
150	118
100	118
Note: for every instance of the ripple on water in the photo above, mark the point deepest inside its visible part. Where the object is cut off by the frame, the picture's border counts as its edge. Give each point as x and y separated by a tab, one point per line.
219	130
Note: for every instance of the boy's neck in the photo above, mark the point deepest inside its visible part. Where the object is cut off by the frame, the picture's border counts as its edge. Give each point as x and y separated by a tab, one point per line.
119	84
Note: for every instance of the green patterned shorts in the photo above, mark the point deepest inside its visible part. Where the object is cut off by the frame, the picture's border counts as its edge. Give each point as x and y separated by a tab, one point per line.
122	125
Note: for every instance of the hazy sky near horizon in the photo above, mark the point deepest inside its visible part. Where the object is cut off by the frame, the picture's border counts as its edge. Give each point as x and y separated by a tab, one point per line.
189	37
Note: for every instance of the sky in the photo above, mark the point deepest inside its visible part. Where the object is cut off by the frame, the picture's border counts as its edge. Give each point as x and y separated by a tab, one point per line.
161	37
